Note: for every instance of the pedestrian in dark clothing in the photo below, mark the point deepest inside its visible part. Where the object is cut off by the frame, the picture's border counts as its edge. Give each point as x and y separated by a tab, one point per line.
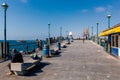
26	49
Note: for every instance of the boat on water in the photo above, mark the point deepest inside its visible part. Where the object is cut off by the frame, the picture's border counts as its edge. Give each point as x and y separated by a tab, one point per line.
21	41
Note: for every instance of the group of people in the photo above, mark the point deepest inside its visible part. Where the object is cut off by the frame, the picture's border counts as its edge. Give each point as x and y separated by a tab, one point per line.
18	58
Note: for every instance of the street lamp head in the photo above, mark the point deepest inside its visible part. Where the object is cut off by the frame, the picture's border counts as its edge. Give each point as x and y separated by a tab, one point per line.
109	16
97	23
5	6
48	23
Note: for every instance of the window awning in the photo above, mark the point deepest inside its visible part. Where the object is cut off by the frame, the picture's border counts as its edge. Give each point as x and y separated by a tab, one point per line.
114	29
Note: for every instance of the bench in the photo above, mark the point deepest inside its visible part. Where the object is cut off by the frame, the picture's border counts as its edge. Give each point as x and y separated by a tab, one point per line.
54	51
63	45
22	68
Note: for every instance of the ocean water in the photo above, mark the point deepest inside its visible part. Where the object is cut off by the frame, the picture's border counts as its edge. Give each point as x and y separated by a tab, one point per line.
21	46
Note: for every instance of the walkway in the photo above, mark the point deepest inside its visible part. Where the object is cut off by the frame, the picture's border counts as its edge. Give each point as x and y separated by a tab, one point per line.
78	61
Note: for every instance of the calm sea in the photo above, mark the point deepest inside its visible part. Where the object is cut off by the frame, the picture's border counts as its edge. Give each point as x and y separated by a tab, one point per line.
21	45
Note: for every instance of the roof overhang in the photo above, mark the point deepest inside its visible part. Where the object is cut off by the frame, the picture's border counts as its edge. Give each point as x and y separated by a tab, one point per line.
113	30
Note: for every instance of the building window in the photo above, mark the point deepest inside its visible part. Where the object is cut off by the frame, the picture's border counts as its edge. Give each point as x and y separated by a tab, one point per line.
115	40
112	40
119	41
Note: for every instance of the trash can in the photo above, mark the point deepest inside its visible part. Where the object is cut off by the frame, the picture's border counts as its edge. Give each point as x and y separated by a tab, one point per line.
58	45
45	52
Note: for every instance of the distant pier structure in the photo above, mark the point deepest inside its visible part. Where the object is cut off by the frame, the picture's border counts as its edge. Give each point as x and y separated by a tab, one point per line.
70	36
86	33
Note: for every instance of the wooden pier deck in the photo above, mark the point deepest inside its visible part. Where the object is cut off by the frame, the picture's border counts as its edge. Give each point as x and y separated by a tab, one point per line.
78	61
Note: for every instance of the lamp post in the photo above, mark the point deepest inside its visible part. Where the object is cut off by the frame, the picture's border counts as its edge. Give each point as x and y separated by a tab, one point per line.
97	31
88	33
92	33
5	6
109	16
66	34
108	41
49	34
49	38
60	34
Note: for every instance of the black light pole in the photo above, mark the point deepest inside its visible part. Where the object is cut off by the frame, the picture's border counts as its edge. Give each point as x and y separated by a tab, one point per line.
5	6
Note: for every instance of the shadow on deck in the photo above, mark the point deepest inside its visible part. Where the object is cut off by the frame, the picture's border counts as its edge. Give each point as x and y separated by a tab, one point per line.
37	69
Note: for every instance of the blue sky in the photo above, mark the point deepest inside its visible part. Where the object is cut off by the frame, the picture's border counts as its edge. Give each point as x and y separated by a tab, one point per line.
28	19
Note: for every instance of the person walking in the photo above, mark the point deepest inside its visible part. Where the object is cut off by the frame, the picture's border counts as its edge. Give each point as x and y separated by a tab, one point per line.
83	40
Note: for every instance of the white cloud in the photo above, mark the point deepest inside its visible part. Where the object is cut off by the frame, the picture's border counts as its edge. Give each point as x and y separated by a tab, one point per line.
24	1
84	10
100	9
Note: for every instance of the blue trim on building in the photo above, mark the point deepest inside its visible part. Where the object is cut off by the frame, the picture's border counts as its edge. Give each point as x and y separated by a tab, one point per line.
109	38
114	51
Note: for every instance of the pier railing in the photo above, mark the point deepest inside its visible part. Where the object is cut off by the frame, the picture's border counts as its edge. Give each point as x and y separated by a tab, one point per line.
29	46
